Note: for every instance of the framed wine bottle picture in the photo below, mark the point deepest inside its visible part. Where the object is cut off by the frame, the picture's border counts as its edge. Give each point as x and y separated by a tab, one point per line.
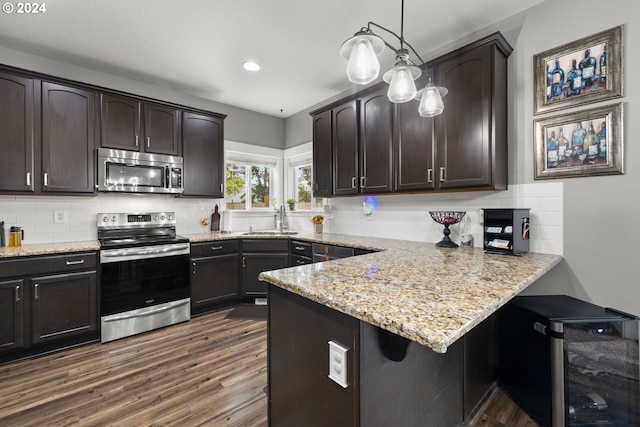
585	143
581	72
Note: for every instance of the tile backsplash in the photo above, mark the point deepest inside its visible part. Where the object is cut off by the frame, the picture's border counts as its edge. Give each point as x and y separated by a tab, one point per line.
397	216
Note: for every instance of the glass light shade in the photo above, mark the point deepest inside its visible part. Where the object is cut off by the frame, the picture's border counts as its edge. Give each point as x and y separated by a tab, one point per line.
431	100
402	88
363	66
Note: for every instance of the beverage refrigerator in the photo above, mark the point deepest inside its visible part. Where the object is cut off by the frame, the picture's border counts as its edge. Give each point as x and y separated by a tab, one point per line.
567	362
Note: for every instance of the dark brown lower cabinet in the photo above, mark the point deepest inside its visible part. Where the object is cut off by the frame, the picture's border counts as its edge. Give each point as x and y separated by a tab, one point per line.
258	256
391	381
47	303
214	279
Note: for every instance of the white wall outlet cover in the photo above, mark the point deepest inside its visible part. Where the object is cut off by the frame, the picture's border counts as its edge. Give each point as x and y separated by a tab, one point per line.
338	363
60	217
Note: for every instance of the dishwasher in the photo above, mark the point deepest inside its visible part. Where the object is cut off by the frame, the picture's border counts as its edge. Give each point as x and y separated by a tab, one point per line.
323	252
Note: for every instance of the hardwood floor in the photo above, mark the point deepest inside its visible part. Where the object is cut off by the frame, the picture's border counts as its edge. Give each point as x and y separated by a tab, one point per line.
210	371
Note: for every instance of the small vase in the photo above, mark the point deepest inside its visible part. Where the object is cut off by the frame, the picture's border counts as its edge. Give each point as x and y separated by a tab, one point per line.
317	228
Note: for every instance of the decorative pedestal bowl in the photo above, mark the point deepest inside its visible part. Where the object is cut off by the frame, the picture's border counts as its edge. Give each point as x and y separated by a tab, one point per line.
447	218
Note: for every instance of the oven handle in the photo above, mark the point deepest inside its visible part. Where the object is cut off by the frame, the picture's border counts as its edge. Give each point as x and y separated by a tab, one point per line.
150	311
132	254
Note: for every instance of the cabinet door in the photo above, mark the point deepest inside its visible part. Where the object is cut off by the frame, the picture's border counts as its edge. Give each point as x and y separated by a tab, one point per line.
322	161
376	135
161	129
463	130
214	279
120	122
16	133
63	305
413	148
11	314
203	153
67	139
255	264
345	149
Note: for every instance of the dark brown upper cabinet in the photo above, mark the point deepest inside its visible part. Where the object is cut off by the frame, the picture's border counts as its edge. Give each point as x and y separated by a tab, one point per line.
376	142
322	155
130	124
68	139
471	134
345	148
203	153
381	147
17	133
413	147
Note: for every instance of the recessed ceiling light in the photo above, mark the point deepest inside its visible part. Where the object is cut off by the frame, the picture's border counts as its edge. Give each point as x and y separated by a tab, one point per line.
251	66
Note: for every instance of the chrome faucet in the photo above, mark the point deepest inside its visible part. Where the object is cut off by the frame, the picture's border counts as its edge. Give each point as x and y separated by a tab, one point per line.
280	221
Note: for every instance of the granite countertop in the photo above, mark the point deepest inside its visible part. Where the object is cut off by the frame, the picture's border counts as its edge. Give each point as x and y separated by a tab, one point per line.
429	295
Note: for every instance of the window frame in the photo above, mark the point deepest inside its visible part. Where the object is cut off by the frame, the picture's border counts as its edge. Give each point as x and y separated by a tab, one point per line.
250	160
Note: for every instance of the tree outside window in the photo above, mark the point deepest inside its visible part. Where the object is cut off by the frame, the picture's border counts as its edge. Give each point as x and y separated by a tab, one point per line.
304	190
247	182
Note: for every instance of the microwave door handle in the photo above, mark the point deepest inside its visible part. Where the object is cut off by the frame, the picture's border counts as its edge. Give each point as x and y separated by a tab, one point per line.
167	175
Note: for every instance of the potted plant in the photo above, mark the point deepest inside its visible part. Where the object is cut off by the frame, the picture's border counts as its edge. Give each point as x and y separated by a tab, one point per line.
292	204
317	221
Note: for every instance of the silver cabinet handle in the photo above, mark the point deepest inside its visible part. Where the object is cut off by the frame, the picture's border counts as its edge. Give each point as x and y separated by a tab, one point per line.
362	181
300	262
299	248
193	271
137	145
148	141
353	182
429	175
216	248
46	179
222	188
75	262
442	177
35	291
29	179
244	262
17	293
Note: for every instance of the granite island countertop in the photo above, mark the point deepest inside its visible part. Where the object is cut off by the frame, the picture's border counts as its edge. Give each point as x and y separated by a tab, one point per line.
427	294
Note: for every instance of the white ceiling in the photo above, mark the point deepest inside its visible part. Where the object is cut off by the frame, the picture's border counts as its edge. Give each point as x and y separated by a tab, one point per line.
198	46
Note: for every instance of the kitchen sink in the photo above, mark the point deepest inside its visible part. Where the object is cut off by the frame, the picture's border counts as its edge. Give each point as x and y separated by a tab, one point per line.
269	233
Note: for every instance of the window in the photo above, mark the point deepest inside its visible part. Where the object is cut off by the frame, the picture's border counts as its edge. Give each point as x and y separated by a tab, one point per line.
303	187
249	182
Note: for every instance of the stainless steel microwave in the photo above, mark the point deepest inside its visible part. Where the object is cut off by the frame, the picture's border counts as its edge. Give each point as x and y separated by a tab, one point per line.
134	172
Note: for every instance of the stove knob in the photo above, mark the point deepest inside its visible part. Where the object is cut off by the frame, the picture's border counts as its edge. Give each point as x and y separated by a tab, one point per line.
155	217
162	217
113	218
105	219
170	217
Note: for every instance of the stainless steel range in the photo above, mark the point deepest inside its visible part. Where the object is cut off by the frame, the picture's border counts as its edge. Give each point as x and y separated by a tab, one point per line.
144	273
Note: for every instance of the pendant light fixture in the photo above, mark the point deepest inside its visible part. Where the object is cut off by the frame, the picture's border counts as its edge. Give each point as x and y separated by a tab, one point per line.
362	51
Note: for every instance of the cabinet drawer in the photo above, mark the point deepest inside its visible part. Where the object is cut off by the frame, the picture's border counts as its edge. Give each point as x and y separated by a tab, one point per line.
300	248
216	247
300	260
258	245
49	264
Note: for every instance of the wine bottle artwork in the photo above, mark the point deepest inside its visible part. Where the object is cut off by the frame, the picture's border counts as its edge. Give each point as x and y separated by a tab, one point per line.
552	151
602	152
574	80
557	80
588	67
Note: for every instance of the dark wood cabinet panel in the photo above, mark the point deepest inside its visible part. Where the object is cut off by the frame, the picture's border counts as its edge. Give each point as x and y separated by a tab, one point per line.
120	121
471	133
161	129
67	139
214	279
11	314
203	152
376	143
322	155
254	264
413	148
17	133
345	149
63	305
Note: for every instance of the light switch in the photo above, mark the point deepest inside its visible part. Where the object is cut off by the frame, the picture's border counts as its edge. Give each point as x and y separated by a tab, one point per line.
338	363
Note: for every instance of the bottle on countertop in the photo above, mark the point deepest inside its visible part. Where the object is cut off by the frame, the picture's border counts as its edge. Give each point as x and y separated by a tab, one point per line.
215	220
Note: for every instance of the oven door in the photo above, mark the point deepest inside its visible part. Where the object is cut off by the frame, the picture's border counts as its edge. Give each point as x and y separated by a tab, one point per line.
140	277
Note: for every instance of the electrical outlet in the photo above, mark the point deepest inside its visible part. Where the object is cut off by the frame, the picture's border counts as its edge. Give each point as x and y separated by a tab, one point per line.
60	217
338	363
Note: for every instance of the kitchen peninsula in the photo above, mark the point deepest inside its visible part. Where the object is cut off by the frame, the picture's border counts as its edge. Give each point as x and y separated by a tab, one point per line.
415	323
